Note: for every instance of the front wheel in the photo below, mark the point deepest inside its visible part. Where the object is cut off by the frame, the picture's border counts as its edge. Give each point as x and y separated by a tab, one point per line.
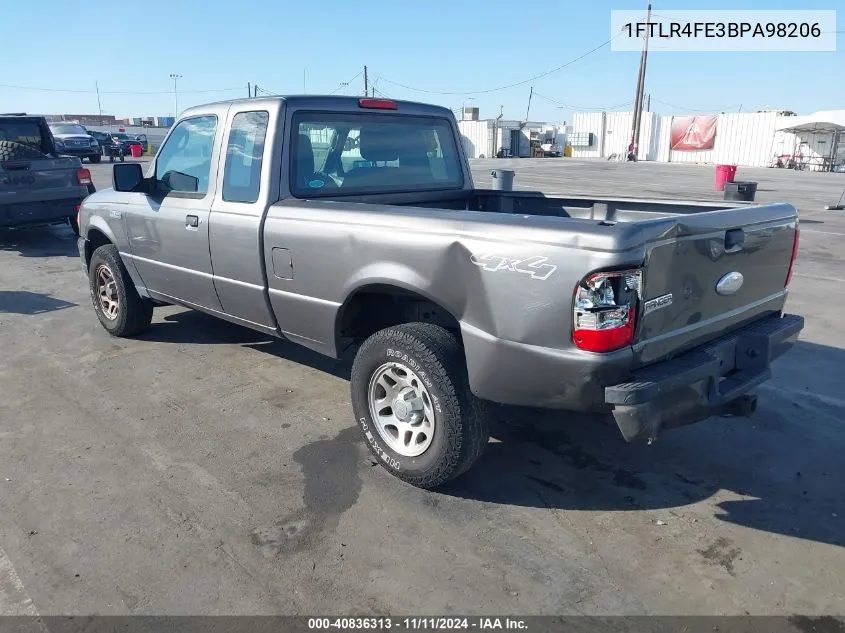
411	398
119	307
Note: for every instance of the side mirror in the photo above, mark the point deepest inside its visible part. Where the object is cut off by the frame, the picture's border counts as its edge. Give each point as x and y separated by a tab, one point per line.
127	177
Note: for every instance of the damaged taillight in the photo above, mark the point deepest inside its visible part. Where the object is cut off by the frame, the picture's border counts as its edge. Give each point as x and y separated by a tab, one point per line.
605	310
794	256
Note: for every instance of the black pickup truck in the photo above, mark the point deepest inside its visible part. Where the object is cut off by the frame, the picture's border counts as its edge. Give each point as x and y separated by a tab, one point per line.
37	185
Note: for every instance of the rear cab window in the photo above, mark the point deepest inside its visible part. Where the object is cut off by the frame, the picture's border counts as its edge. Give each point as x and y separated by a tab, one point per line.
244	155
23	132
364	153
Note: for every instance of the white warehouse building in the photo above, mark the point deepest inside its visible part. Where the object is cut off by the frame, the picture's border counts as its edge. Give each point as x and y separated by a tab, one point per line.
755	139
484	138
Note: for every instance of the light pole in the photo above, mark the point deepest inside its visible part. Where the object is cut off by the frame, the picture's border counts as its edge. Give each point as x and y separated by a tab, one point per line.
174	77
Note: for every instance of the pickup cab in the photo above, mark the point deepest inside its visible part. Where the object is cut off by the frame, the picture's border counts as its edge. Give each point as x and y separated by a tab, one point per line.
353	225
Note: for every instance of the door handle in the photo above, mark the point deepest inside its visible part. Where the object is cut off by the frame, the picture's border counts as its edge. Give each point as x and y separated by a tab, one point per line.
192	221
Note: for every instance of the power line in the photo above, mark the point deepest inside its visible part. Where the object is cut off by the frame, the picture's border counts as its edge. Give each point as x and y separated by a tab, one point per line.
679	107
119	92
578	107
513	85
344	84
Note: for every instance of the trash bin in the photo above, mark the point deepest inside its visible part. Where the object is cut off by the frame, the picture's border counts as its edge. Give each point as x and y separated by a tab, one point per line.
502	179
136	150
740	190
723	173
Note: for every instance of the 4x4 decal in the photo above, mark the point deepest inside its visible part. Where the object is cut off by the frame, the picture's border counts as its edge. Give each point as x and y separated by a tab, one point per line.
535	266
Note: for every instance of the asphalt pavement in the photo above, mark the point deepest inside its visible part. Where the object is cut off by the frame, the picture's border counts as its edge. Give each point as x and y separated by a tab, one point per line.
203	468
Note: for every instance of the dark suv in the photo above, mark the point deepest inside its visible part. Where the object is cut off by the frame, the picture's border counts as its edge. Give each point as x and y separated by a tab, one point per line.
74	140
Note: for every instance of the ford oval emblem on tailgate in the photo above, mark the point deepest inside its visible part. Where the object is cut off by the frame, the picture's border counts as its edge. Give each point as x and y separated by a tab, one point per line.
729	284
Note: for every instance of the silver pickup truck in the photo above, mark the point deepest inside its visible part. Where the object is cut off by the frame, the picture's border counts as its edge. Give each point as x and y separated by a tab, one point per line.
347	224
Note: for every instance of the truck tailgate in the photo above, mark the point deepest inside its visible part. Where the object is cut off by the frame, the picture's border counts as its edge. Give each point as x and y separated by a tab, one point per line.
39	180
714	272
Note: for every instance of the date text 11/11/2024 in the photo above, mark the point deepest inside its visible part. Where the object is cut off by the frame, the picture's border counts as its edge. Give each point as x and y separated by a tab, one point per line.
723	29
418	623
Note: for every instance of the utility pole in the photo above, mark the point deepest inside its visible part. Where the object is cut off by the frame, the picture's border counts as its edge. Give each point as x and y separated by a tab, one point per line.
648	103
366	84
175	77
249	90
530	94
304	89
99	105
638	99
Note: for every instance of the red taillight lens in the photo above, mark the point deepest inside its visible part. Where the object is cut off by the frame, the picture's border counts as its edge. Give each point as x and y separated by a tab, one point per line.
378	104
83	176
794	256
605	310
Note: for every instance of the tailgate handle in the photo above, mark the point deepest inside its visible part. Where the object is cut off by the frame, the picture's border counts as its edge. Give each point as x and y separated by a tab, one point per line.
734	239
16	166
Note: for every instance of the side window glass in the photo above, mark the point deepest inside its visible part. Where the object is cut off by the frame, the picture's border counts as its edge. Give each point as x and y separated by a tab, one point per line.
184	163
244	153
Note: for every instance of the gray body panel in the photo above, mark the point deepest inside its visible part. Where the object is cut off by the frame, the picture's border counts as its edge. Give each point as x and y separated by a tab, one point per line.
504	265
40	190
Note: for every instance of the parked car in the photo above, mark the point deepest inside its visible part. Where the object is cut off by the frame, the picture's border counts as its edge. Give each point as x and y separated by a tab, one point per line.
37	185
125	141
103	139
142	139
74	140
658	312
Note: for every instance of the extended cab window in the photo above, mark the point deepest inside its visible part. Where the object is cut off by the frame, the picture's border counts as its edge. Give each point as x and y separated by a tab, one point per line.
365	153
23	132
184	162
244	152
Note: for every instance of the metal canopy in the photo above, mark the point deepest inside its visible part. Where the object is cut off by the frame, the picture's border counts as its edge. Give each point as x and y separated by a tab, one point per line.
826	121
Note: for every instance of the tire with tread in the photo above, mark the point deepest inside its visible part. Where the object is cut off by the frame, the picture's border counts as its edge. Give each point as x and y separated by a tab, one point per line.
461	428
135	312
11	151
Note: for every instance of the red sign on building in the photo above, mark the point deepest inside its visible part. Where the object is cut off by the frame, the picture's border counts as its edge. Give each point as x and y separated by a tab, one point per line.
693	133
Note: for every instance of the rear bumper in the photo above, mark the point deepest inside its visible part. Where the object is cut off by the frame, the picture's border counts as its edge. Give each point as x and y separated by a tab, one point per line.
81	152
701	383
30	213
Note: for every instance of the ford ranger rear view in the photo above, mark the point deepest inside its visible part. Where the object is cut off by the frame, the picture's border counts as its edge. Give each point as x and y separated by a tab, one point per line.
353	225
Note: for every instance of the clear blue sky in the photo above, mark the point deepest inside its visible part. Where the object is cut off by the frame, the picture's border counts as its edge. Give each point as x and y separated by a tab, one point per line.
438	45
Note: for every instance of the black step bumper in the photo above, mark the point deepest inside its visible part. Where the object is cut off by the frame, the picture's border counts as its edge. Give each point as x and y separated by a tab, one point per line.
35	213
703	382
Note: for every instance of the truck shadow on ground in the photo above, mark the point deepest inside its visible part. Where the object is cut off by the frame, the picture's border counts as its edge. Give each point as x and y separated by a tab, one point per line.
780	471
30	303
191	326
43	241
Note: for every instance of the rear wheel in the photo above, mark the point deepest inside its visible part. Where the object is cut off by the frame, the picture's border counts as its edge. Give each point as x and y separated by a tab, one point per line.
94	158
74	225
411	398
119	307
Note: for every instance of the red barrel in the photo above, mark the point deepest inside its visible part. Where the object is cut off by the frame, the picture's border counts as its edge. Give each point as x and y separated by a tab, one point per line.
723	173
137	151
